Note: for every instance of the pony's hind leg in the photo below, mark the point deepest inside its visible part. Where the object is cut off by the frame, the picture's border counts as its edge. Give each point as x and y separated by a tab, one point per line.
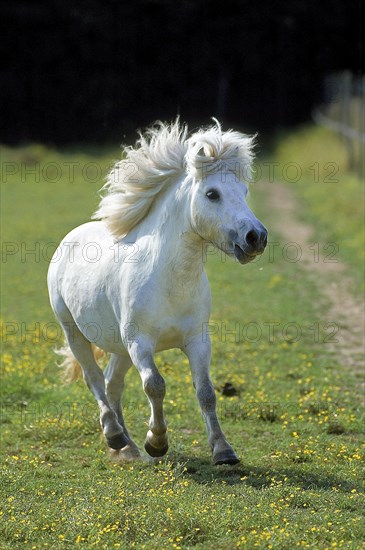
94	378
114	379
156	443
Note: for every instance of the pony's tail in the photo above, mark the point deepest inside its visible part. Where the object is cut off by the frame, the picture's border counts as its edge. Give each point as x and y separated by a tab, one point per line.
72	370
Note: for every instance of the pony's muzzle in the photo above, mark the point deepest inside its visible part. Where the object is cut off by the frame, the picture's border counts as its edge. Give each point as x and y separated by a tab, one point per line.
251	244
256	240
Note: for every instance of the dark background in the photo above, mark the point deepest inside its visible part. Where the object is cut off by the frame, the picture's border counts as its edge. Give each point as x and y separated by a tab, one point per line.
95	70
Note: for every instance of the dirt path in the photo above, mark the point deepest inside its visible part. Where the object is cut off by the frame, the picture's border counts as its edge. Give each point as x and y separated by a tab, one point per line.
334	283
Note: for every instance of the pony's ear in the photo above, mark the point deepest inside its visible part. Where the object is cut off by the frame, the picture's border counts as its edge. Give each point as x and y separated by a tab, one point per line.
206	151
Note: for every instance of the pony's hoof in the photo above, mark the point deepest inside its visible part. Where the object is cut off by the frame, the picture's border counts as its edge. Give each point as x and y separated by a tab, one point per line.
117	441
130	453
154	451
225	457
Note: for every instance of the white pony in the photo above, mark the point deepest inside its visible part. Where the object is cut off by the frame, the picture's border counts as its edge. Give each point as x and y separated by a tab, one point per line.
134	283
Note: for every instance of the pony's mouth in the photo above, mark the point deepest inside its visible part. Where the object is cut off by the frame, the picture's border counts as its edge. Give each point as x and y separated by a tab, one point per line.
242	256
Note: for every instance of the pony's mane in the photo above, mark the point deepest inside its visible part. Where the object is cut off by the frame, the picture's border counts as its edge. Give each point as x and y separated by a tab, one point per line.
160	156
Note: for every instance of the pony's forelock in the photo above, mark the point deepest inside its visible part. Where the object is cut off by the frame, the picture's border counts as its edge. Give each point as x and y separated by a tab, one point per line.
211	150
161	155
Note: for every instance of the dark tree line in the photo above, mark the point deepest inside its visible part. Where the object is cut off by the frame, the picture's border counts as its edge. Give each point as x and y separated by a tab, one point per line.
94	70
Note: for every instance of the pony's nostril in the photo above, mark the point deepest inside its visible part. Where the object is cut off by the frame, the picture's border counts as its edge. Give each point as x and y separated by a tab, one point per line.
264	242
252	238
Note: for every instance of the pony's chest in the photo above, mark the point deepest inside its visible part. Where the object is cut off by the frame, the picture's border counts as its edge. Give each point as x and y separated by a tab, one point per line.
171	332
167	309
180	320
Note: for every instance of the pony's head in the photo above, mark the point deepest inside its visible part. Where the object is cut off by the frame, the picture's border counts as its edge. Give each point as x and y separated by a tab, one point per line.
215	167
220	166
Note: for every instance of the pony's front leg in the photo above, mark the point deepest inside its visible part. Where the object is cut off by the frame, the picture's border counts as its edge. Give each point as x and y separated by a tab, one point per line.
156	443
198	353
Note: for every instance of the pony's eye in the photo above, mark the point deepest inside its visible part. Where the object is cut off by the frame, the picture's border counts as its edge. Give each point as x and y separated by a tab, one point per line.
212	195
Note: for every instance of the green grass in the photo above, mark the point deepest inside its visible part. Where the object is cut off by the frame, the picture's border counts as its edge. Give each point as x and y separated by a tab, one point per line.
296	420
331	193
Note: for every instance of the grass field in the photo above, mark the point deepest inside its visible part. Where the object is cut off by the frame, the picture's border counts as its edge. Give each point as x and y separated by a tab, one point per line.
332	195
296	421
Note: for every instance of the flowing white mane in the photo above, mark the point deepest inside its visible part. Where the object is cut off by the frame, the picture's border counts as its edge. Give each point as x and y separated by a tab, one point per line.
161	155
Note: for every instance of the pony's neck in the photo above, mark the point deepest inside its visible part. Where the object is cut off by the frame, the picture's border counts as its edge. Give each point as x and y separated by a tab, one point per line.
176	249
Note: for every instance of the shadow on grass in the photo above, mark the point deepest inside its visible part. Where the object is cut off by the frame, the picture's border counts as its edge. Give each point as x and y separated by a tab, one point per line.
203	471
